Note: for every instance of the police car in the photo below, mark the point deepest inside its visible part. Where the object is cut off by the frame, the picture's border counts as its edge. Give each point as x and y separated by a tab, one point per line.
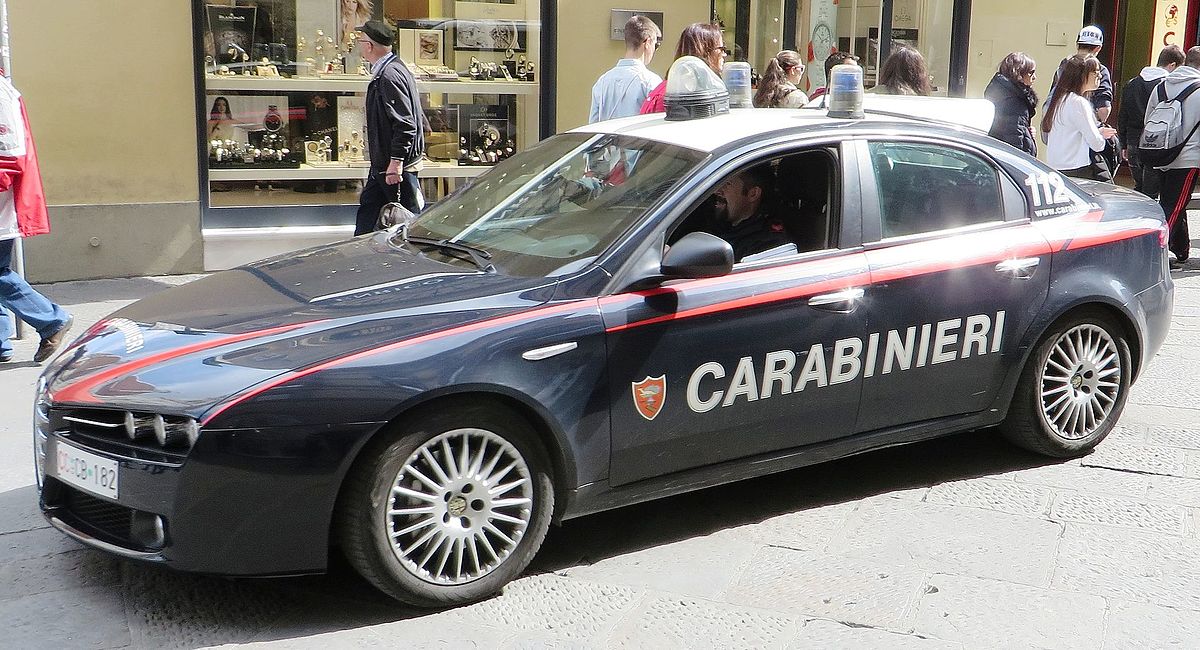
573	332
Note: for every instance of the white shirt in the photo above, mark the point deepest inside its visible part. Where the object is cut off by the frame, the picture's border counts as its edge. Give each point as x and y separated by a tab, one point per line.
12	143
621	91
1073	135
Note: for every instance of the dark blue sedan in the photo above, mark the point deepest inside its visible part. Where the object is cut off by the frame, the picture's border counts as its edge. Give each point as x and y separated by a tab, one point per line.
628	311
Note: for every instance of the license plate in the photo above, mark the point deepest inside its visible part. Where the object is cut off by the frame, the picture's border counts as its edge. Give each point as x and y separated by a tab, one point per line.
86	470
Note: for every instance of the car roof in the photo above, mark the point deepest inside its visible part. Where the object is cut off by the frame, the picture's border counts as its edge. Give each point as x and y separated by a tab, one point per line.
711	133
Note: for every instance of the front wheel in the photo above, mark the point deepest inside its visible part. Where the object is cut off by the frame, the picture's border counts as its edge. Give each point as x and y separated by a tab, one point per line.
449	509
1073	389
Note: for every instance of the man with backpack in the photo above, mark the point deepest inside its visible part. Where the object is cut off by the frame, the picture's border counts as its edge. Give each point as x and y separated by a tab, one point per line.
1134	99
1169	143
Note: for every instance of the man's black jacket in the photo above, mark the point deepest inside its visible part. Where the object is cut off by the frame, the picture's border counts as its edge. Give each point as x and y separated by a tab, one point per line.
394	117
1134	98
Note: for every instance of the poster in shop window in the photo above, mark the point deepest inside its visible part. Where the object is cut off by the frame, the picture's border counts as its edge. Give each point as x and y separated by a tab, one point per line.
821	43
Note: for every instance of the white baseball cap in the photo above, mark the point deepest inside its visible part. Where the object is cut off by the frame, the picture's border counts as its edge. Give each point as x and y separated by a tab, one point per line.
1090	35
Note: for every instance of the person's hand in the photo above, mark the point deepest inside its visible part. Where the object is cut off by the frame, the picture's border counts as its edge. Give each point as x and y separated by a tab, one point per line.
1107	132
392	175
1125	154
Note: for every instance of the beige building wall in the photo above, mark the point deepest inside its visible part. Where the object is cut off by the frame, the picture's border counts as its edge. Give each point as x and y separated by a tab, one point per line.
111	100
1045	30
585	50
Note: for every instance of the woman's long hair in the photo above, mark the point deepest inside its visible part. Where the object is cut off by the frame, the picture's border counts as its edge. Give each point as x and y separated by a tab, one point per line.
904	73
699	40
771	90
1071	78
215	114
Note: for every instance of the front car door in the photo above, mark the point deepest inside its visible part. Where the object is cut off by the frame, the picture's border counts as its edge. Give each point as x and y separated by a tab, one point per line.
956	269
759	360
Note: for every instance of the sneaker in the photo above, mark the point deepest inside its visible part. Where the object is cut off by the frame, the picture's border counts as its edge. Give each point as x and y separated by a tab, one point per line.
49	344
6	356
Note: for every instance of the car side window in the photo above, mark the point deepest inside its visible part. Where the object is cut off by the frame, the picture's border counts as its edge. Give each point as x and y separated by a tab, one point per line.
928	187
771	208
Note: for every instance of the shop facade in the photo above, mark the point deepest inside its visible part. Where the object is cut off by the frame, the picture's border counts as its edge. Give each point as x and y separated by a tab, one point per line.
187	136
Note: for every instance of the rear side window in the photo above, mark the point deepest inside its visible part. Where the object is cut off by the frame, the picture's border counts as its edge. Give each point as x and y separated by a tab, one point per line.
928	187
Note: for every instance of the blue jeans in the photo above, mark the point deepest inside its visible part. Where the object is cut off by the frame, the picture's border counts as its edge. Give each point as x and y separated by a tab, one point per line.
29	305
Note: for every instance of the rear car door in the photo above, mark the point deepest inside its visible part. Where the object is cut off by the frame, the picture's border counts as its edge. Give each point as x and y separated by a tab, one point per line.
760	360
956	268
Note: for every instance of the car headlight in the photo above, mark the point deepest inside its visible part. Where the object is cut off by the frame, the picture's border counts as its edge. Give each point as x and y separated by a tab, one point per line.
41	429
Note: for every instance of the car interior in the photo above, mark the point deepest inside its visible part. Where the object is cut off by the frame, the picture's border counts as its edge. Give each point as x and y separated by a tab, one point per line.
803	196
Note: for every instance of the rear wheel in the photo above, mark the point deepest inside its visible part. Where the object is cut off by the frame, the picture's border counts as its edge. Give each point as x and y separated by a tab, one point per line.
1073	389
449	509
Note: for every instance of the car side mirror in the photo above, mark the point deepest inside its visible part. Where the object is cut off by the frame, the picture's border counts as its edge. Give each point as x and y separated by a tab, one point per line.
698	255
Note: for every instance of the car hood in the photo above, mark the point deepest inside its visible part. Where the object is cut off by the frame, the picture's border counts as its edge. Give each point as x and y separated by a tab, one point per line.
186	349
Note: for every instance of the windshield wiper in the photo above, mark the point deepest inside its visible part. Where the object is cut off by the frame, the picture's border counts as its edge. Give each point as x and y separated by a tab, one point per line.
479	256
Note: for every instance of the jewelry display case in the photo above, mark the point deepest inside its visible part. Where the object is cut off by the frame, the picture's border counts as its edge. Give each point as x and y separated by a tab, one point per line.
284	139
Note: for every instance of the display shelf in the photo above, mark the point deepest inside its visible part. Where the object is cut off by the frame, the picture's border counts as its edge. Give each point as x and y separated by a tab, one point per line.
311	173
286	84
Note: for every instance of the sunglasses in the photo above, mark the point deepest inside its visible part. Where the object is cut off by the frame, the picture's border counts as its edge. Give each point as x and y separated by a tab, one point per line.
723	49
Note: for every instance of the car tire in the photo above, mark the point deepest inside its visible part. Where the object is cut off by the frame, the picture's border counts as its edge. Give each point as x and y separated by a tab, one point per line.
1073	389
449	507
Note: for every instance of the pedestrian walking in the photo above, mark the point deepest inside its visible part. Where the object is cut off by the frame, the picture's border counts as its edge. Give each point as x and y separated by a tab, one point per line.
1179	176
1088	44
1134	98
1011	91
1070	123
904	73
395	135
622	90
23	214
778	86
701	40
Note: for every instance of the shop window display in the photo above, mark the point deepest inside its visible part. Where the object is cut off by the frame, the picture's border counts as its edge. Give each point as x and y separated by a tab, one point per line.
284	122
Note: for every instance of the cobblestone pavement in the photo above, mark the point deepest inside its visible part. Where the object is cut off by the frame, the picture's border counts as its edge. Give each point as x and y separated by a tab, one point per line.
962	542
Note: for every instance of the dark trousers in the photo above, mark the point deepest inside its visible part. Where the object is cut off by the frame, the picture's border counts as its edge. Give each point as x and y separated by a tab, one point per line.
1177	186
376	194
1146	179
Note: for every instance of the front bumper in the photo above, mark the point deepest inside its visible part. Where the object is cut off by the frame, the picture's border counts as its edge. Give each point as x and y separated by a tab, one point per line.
243	502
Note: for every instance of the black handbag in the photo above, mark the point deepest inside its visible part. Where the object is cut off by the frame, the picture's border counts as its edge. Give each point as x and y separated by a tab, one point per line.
1104	162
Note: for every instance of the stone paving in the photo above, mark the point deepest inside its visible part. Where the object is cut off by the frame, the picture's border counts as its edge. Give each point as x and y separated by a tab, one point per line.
962	542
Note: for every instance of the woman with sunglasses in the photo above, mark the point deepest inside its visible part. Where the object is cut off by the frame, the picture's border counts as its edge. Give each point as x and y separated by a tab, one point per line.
778	86
1070	122
1011	91
701	40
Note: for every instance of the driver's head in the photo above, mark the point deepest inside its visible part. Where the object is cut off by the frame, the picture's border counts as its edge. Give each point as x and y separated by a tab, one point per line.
741	196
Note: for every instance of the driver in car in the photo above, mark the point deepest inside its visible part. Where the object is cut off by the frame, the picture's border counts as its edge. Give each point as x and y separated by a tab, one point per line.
743	214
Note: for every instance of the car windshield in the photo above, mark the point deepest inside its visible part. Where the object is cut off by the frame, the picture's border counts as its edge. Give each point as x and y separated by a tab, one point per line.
553	208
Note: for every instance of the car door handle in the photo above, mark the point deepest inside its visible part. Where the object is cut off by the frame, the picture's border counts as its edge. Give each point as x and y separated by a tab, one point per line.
1021	268
843	301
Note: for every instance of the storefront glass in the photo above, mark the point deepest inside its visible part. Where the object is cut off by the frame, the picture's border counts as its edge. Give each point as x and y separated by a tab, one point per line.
284	128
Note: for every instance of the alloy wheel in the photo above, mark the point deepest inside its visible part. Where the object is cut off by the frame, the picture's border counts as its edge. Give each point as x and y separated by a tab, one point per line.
1080	381
459	506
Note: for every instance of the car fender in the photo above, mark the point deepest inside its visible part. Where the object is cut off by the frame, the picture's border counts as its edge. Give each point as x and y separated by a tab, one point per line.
1087	288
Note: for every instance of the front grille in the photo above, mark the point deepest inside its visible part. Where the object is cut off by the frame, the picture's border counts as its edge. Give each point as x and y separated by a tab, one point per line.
102	517
104	520
144	436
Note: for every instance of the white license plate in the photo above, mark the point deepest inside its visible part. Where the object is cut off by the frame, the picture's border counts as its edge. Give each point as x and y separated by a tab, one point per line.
86	470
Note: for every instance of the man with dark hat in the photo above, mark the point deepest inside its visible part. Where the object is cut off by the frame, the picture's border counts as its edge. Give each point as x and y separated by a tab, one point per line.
395	138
